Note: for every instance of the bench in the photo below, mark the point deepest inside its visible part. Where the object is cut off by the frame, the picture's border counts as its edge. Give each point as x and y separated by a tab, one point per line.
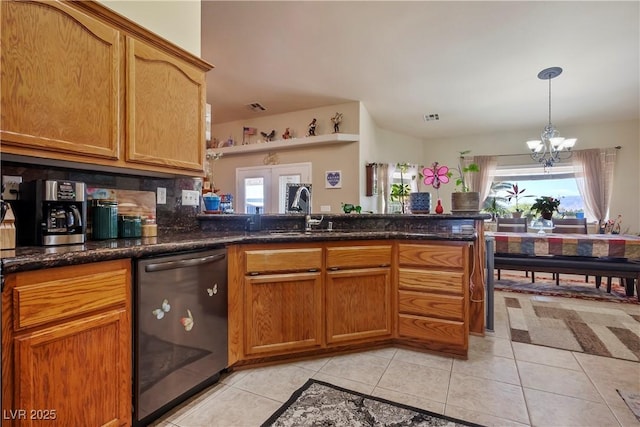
592	266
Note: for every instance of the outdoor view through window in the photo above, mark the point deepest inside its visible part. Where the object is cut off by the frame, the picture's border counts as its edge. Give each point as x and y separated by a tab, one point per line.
559	183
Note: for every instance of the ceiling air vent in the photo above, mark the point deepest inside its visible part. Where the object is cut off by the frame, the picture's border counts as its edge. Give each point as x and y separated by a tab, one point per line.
431	117
256	106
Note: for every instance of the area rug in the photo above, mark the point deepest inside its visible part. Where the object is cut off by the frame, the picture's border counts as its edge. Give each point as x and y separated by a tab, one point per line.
318	403
632	400
571	286
602	331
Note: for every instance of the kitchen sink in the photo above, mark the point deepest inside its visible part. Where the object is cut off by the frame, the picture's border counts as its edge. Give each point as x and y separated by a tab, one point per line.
301	232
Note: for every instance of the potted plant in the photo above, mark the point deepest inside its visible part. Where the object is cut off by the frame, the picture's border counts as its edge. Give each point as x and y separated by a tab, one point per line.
400	191
464	200
515	193
545	206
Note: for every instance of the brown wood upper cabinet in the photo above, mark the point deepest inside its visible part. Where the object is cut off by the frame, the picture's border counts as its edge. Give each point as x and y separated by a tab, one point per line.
165	105
82	84
61	81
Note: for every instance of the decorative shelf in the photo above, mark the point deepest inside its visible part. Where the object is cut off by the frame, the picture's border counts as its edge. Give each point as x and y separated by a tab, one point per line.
288	144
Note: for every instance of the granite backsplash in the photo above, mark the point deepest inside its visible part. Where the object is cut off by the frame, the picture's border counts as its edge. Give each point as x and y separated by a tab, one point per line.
170	216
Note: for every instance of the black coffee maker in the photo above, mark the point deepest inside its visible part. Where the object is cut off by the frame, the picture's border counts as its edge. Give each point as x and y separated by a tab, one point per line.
51	212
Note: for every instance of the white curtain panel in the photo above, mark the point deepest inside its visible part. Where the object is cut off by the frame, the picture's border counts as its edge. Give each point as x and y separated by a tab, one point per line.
594	169
481	181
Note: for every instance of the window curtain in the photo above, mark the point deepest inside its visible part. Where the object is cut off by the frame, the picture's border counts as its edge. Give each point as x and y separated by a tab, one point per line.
594	169
481	181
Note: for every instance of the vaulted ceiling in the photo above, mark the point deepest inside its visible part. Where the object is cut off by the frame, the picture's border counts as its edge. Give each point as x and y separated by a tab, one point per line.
475	64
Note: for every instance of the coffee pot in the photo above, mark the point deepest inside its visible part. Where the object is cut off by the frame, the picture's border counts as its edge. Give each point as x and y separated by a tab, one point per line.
52	213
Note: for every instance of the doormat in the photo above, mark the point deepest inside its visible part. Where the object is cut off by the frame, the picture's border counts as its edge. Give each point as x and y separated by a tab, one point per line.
632	400
318	403
571	286
602	331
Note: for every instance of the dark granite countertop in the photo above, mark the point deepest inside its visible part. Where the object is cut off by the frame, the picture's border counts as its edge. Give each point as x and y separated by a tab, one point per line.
167	242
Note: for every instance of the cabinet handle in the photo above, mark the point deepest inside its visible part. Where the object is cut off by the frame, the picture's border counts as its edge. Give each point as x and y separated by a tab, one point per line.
334	268
384	265
191	262
254	273
312	270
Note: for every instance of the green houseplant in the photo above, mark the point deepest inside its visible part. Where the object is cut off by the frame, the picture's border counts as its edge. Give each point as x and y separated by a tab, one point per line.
545	206
516	192
399	192
464	200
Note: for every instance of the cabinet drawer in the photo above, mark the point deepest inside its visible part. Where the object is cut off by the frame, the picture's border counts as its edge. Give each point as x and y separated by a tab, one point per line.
441	256
44	296
358	256
426	328
265	260
421	304
451	282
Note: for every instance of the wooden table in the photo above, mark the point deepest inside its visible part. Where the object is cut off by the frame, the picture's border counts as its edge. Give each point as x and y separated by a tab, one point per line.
599	255
585	245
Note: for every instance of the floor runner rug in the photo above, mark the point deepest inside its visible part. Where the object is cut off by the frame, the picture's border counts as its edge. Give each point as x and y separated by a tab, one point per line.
603	331
571	286
318	403
632	400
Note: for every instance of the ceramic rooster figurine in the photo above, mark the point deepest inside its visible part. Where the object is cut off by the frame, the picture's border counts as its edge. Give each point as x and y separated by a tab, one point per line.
268	136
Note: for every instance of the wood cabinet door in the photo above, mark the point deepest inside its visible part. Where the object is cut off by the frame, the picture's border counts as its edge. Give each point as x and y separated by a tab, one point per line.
60	82
283	313
165	108
358	304
78	372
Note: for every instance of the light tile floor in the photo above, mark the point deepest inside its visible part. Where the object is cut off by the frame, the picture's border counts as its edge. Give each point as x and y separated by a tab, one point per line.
503	383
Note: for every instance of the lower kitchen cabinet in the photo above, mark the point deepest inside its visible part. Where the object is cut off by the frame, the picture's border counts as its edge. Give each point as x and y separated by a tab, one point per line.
66	346
433	295
358	304
301	299
283	312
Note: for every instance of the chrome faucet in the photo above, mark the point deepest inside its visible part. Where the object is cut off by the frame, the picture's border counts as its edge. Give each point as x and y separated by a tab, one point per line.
308	221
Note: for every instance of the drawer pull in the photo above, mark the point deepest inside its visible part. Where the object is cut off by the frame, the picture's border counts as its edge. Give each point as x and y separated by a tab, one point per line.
312	270
334	268
254	273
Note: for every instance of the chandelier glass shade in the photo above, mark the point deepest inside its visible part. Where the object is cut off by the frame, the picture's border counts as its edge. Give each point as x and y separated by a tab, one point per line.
551	147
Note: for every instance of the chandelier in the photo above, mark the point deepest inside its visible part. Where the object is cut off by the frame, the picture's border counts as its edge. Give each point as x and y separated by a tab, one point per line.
551	148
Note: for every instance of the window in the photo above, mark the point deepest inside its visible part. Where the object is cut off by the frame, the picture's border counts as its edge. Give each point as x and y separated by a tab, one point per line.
558	182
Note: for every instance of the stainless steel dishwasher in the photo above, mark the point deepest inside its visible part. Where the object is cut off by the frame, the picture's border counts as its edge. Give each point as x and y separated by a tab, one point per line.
180	329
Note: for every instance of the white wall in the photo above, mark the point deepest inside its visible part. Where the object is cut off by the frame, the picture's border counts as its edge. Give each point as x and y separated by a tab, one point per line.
626	194
343	157
177	21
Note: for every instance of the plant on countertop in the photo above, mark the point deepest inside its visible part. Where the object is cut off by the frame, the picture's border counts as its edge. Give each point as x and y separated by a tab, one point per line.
461	180
210	159
400	191
545	206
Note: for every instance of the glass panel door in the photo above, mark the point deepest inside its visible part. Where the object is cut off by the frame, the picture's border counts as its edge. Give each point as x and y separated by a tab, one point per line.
265	187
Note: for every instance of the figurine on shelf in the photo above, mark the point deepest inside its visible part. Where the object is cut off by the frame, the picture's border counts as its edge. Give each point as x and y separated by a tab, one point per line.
336	120
312	128
287	134
268	136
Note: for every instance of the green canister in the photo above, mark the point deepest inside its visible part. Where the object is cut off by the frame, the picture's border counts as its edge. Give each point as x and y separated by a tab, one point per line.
129	226
104	219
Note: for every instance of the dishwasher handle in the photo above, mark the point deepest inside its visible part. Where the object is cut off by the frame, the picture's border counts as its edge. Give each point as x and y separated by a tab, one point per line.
192	262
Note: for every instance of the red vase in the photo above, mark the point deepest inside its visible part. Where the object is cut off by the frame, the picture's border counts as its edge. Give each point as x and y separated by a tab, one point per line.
439	208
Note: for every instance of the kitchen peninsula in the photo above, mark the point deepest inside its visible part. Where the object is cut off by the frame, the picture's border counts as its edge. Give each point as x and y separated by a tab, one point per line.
412	280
